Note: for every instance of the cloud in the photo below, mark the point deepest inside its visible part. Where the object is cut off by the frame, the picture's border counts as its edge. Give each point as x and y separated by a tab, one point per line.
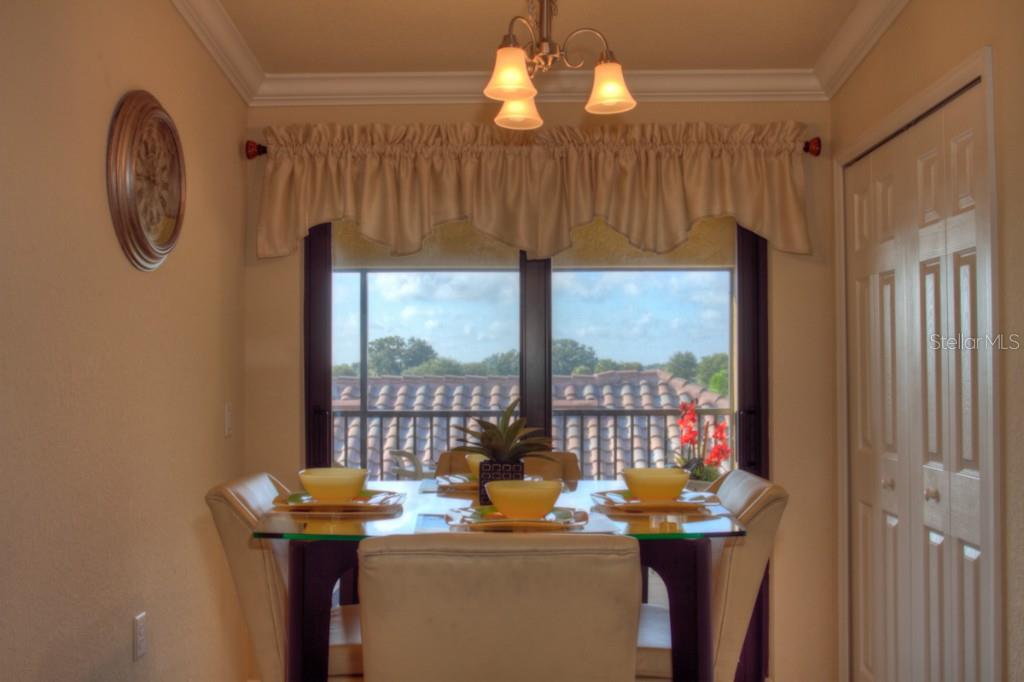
444	286
625	315
711	315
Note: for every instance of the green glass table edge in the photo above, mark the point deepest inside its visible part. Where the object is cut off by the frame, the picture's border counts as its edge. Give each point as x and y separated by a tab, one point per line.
312	537
315	537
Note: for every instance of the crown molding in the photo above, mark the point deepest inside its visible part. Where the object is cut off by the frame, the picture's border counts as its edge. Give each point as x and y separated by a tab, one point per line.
855	38
458	87
861	30
218	33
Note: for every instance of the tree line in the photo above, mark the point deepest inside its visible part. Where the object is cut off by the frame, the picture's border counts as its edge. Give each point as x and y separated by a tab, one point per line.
398	356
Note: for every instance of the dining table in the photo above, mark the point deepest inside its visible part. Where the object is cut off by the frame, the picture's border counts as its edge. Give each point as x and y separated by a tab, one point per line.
323	547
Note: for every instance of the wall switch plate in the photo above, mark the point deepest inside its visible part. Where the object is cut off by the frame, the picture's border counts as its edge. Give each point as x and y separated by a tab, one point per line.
229	420
139	636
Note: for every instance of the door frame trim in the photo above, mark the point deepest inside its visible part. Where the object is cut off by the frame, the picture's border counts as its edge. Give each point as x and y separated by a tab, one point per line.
978	65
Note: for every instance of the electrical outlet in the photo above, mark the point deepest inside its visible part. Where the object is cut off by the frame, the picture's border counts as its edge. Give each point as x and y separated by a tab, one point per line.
139	636
229	420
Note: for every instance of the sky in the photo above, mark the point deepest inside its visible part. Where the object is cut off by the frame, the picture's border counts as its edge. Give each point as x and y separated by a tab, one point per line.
624	315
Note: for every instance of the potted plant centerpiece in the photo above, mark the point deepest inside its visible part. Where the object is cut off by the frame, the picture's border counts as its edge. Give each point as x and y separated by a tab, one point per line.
505	445
695	435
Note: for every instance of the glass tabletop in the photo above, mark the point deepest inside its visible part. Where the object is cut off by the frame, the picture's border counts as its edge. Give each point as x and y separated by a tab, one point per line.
424	511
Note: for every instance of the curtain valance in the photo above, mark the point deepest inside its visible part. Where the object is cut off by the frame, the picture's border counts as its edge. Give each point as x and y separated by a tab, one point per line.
648	182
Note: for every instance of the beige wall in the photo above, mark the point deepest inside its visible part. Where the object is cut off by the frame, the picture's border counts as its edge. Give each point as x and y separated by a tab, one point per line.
114	381
929	38
802	335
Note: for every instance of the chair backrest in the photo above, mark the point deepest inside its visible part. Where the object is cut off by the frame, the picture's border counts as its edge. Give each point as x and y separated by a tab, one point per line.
739	563
259	567
406	463
566	465
501	607
451	462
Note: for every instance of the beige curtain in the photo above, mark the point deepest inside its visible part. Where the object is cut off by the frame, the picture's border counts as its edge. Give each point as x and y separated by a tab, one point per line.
650	183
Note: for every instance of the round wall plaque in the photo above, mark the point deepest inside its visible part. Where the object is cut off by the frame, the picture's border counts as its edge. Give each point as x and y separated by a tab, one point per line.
145	179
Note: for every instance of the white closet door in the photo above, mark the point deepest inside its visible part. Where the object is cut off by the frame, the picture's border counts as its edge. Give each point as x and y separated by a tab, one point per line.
921	427
926	259
877	207
968	317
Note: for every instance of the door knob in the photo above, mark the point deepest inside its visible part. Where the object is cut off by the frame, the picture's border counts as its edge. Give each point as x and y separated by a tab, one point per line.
931	494
888	484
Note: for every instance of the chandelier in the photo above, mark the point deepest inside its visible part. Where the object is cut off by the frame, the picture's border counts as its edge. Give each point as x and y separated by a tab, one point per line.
515	66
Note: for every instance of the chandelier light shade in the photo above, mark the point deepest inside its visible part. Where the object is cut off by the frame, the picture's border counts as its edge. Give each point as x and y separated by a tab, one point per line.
514	68
610	94
510	80
519	114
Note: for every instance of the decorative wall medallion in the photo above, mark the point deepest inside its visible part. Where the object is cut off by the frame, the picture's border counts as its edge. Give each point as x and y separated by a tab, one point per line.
145	179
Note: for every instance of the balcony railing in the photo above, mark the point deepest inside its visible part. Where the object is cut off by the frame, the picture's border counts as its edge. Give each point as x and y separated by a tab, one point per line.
604	440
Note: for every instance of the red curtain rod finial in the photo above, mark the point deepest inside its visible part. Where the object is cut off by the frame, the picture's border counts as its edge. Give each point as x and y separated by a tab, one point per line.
813	146
254	149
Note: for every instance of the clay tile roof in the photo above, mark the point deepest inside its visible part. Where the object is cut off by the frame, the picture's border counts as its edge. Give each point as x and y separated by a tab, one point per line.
605	443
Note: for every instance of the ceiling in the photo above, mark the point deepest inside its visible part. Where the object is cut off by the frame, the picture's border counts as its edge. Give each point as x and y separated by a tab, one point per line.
330	36
342	52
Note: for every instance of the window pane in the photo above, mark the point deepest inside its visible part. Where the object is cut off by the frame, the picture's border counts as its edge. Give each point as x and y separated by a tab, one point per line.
345	353
628	347
438	324
345	325
442	346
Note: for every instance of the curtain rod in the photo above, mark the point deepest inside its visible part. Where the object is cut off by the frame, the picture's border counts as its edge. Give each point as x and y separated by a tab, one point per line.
254	149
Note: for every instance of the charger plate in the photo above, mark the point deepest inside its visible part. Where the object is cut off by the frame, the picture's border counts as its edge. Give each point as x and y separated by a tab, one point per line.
623	502
368	502
487	518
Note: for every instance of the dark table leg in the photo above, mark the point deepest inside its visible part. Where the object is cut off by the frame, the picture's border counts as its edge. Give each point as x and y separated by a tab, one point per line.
685	566
313	568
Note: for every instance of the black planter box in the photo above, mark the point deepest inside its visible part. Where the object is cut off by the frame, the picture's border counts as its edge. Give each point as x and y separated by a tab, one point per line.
497	471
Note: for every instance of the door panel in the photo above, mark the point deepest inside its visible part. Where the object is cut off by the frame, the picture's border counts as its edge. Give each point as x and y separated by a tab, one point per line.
878	440
969	416
933	608
864	465
931	371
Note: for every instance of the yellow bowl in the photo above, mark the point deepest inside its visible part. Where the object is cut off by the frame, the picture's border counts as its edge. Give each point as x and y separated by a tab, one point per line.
334	484
656	484
524	499
473	462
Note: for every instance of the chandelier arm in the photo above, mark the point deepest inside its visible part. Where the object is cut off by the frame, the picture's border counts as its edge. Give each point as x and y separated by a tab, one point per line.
526	22
605	53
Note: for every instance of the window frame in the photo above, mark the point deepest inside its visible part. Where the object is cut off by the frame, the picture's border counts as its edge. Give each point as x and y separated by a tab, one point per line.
748	350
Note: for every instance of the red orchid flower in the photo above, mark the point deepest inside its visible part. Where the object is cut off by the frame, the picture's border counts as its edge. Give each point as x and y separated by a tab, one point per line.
719	454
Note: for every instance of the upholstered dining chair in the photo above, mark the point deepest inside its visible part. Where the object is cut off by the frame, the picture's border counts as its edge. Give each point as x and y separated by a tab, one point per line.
738	566
260	569
504	607
566	465
408	467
